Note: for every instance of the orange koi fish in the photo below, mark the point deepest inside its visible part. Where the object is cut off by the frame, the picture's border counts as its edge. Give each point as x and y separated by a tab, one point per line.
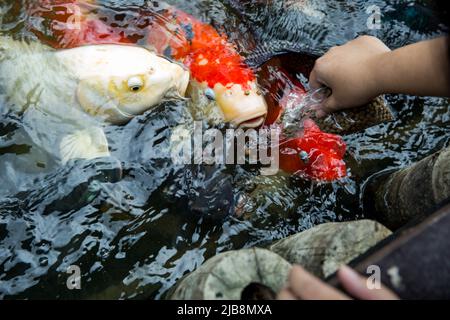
215	65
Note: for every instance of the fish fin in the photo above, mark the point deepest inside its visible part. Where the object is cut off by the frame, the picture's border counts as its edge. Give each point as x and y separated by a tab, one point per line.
183	83
95	101
84	144
357	119
174	94
91	96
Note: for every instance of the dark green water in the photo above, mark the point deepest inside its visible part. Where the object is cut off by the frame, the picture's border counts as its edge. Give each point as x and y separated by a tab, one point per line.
134	237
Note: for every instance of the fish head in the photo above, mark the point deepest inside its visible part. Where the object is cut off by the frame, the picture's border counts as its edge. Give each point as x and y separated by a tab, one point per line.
241	106
119	82
314	154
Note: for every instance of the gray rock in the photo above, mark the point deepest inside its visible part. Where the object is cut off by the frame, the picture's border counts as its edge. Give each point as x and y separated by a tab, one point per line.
226	275
411	193
323	249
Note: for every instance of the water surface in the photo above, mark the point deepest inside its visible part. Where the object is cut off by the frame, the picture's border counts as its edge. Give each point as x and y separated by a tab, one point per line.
134	236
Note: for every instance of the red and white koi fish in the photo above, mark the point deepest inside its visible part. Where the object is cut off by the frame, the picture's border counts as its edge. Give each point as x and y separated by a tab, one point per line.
214	63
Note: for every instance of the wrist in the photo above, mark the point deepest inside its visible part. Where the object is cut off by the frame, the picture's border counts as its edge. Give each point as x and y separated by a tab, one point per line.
380	69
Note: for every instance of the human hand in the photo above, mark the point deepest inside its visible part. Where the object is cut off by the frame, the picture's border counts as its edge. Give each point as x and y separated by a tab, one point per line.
304	286
350	71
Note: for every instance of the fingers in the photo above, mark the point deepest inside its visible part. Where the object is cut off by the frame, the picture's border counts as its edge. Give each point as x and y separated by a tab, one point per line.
304	285
330	105
356	285
286	294
320	112
350	71
314	83
321	71
324	109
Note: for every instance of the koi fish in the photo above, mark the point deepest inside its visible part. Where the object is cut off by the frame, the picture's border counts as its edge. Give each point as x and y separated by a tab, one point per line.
316	154
216	68
64	96
310	152
213	61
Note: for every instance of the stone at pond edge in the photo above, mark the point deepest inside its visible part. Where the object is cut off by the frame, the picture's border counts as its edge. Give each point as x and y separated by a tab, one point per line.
324	248
410	193
226	275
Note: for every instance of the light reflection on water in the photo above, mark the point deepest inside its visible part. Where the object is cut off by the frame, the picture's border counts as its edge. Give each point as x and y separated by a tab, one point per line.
134	237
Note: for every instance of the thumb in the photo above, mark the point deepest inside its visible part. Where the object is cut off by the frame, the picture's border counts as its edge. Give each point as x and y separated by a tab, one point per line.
314	82
327	107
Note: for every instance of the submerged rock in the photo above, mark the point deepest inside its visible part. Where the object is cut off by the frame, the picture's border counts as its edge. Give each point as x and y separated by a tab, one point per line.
259	273
396	198
226	276
323	249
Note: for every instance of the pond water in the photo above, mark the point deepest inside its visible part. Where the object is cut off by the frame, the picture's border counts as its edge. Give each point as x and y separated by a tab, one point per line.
134	235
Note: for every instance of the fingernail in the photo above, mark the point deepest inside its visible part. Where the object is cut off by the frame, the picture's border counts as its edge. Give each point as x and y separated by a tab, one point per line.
320	114
349	274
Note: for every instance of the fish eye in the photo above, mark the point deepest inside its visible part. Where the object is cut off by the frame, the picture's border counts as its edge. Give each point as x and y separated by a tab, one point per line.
304	156
135	84
210	94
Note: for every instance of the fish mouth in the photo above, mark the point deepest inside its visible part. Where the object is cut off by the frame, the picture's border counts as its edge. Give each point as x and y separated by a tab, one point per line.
252	123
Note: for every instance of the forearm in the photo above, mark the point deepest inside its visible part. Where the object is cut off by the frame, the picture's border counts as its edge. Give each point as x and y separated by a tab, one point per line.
418	69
